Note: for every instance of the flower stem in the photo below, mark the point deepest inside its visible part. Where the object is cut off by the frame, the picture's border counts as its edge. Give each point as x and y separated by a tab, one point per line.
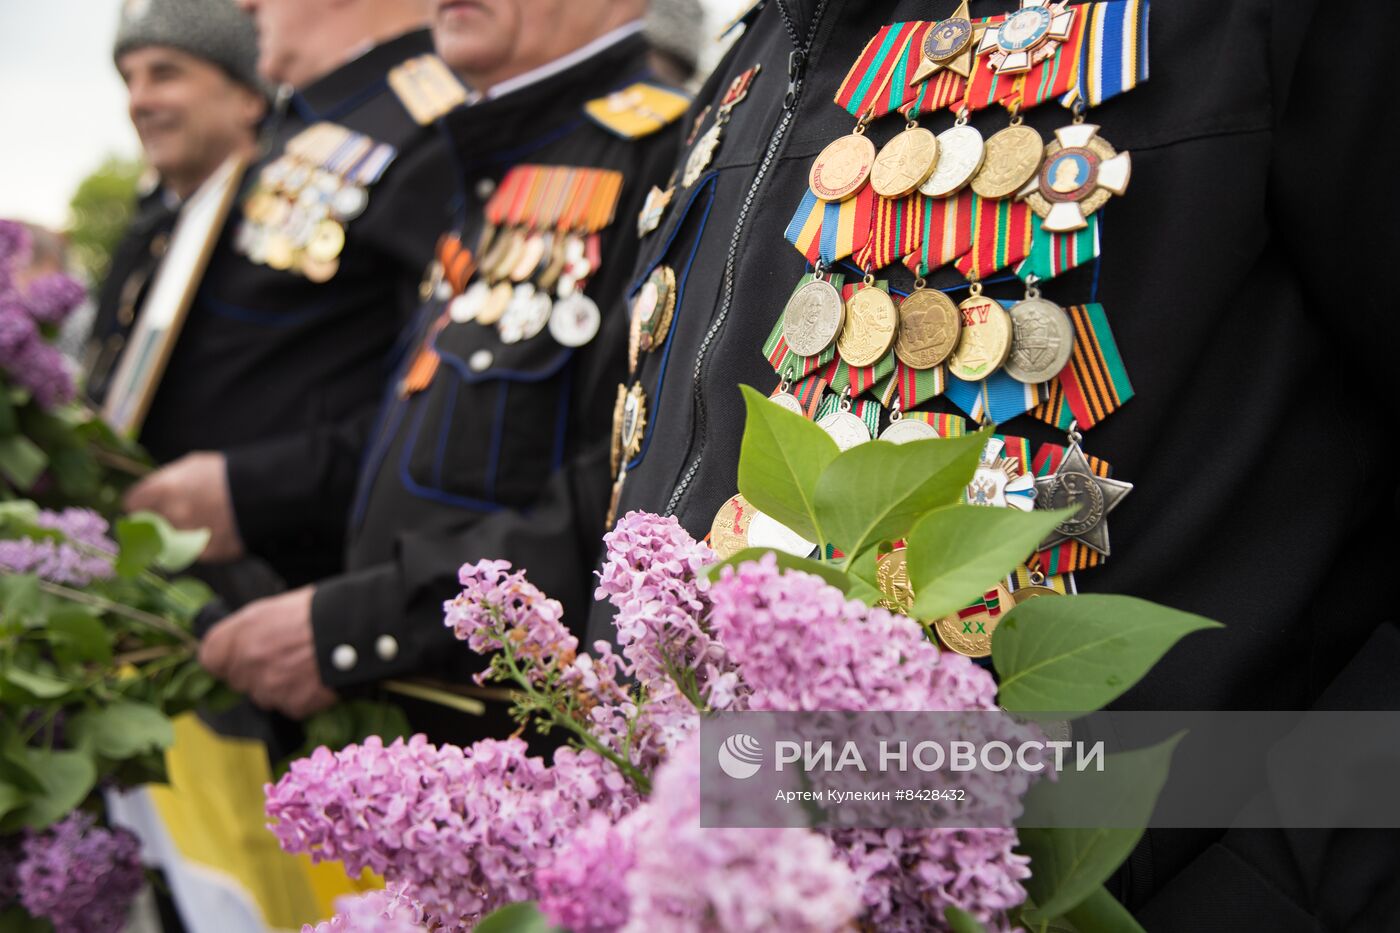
106	605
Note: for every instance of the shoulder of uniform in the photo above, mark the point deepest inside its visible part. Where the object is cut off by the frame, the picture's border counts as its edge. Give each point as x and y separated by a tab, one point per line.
638	110
742	18
426	87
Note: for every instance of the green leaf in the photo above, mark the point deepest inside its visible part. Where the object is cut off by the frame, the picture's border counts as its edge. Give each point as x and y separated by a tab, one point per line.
1080	653
138	544
956	553
1101	912
147	540
1068	865
16	920
11	799
827	572
19	595
20	513
122	730
876	492
68	777
40	686
22	461
78	635
865	585
524	917
8	423
780	460
960	921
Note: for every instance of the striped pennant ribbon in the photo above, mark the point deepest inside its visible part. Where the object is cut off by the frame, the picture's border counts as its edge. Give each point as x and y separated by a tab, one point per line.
828	232
911	387
787	364
1054	254
810	392
1053	77
944	89
896	230
1001	237
842	375
967	396
1094	384
1016	448
946	234
1021	578
947	425
1113	52
878	82
1068	556
867	410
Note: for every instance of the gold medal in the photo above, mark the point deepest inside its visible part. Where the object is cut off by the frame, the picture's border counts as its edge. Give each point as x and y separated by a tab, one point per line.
634	422
892	577
969	632
843	167
619	408
657	325
319	272
281	254
871	324
1012	158
729	532
529	259
514	247
929	323
496	304
327	240
904	162
985	340
948	45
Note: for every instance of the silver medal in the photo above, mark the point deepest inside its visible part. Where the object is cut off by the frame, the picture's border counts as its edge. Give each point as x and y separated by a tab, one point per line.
575	320
908	429
767	532
960	153
1042	340
466	306
845	429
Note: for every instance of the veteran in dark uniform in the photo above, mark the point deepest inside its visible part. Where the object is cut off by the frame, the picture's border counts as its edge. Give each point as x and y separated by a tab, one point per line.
493	441
194	96
1259	497
317	271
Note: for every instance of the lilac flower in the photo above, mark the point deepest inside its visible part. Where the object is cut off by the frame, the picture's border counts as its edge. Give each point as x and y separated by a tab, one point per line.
80	877
495	604
387	911
87	555
14	249
687	878
17	330
585	889
51	298
81	526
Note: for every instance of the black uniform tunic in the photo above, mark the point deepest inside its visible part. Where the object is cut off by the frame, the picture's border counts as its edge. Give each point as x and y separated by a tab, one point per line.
269	362
505	454
1228	273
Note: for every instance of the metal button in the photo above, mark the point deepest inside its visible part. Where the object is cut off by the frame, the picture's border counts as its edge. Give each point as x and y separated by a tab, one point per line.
485	187
481	360
387	647
343	658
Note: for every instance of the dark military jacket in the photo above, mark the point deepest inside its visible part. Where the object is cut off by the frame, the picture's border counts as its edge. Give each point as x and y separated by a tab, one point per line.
278	371
505	454
1261	498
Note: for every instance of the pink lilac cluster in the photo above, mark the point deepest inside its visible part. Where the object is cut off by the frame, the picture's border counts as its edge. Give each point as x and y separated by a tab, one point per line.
387	911
85	555
497	604
80	877
24	353
799	644
462	831
667	874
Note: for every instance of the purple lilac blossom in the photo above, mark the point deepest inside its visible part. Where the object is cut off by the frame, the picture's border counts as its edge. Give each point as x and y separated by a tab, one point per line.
387	911
87	555
80	877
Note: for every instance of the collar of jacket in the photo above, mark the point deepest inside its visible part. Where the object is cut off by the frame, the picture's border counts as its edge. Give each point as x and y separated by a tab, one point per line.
363	76
504	129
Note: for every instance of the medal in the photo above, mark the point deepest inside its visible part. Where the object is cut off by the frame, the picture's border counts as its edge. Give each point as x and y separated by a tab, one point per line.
870	326
969	632
813	317
1042	339
1026	37
769	533
575	320
961	151
634	422
729	532
904	162
1012	158
656	203
704	150
535	314
615	499
786	400
655	307
903	430
948	45
929	323
892	578
1080	173
999	482
843	167
1075	485
619	408
985	340
319	272
846	429
496	303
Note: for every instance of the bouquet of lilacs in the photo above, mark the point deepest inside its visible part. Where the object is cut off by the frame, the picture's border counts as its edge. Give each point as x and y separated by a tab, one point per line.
607	834
53	449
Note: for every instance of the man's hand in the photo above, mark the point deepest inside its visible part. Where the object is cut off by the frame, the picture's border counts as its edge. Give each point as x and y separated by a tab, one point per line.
193	493
266	650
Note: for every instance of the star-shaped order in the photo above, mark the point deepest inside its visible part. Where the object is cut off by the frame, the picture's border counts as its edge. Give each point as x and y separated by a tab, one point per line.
1075	485
949	44
1027	37
1079	174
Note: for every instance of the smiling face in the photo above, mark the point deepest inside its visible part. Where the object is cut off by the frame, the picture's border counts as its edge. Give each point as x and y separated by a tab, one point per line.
189	114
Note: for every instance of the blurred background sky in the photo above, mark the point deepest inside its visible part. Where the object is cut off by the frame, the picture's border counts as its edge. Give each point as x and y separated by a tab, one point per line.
63	108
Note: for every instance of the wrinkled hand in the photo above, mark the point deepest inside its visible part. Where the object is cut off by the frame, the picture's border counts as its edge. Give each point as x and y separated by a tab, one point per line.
267	651
193	493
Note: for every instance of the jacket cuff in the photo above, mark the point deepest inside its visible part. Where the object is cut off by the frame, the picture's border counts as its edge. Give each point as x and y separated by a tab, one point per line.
353	623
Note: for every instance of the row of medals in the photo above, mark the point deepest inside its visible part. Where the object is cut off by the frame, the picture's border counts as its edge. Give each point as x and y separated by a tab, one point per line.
527	281
295	218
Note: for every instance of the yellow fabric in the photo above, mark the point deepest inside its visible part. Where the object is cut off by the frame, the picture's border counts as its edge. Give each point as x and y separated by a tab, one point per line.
639	110
213	811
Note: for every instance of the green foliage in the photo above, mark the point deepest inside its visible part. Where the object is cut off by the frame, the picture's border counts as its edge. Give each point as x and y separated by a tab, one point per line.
523	917
101	209
780	461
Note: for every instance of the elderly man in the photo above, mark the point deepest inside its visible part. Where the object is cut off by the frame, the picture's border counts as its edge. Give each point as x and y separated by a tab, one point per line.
493	442
290	332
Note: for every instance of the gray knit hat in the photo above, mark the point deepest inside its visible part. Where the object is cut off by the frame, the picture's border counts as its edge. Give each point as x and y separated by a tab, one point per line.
214	30
677	28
